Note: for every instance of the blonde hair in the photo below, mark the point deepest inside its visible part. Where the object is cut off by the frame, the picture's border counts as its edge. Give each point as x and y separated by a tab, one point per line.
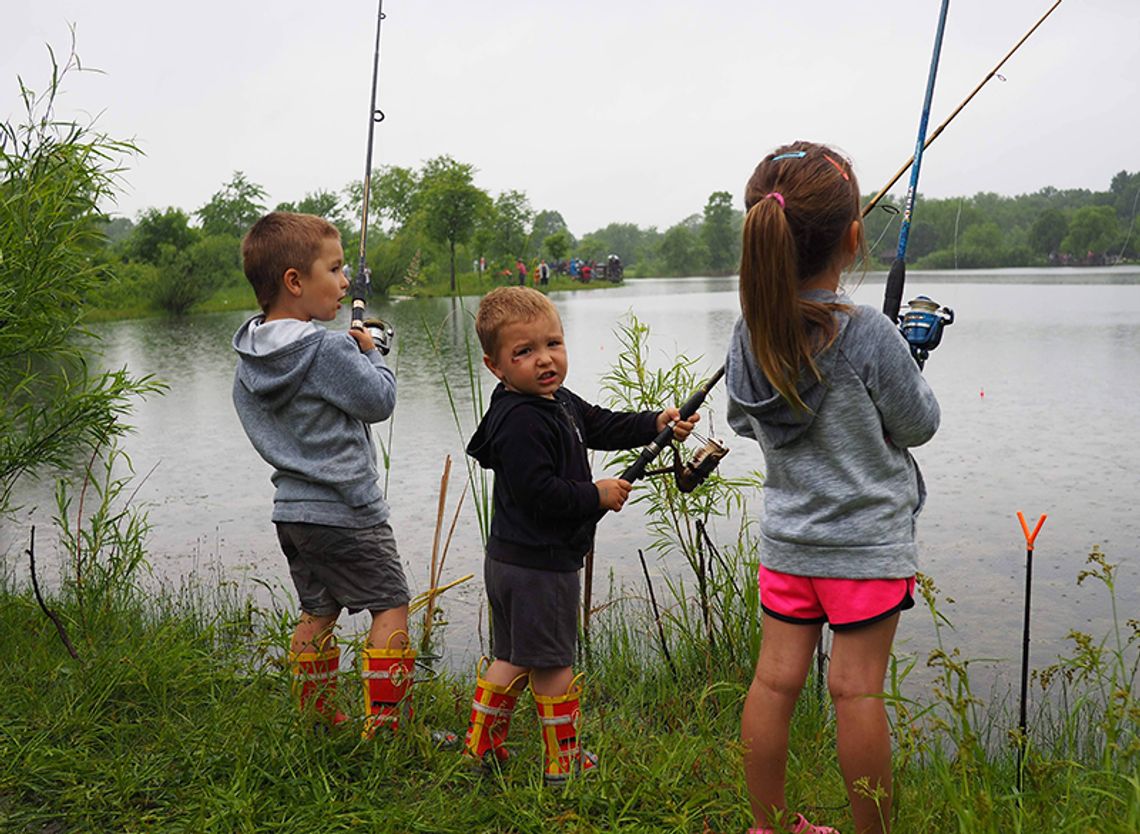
280	241
801	200
507	305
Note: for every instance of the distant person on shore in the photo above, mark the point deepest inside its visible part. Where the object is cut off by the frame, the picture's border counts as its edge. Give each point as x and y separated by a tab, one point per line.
521	267
543	272
831	393
306	398
546	504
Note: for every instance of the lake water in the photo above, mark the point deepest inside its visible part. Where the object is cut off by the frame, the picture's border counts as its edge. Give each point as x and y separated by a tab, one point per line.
1056	354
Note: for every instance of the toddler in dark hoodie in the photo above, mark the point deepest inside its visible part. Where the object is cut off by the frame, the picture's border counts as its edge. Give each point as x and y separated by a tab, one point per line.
534	436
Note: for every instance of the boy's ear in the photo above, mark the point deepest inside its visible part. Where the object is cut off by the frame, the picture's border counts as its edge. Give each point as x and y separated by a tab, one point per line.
292	281
489	363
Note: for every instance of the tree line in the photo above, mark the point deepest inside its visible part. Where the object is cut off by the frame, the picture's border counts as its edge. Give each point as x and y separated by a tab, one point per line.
433	223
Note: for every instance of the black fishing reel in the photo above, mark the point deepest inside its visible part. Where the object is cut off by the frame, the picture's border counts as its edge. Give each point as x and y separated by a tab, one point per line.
689	476
922	325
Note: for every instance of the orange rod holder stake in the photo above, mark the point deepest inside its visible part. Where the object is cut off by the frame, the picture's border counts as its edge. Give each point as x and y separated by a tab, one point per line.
1030	538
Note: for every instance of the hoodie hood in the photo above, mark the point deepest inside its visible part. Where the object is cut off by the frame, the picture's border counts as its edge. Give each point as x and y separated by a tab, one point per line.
754	404
276	357
503	402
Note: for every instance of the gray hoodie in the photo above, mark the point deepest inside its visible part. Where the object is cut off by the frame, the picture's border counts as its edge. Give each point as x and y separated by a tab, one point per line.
841	492
306	397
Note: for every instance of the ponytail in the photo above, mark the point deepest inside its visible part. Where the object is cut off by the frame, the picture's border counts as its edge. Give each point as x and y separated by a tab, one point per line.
799	209
769	297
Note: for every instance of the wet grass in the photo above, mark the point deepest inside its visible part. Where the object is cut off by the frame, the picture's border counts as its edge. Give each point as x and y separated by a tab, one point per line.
177	717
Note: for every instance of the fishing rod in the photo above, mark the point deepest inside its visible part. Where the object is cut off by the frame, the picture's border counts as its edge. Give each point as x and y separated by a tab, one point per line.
705	461
925	320
938	130
897	276
923	324
381	331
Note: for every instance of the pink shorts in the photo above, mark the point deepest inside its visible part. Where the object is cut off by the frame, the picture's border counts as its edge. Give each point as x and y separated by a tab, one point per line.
842	603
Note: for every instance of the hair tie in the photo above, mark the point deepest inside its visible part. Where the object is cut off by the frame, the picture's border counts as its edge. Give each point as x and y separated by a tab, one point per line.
777	196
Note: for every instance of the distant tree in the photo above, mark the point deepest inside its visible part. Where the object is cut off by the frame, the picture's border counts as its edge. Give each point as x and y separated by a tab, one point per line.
393	199
682	251
118	229
1092	229
512	217
547	223
921	240
625	240
326	204
451	203
189	276
233	208
1047	232
721	232
155	228
557	246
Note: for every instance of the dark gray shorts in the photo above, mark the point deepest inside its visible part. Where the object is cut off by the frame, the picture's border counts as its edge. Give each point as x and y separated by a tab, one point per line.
534	614
341	567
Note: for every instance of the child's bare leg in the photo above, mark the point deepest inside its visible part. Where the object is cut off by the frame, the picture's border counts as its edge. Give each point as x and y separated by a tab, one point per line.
785	657
858	665
387	623
502	673
552	682
313	633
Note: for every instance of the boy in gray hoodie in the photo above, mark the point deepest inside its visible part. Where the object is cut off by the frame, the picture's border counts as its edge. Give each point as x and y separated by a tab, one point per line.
306	398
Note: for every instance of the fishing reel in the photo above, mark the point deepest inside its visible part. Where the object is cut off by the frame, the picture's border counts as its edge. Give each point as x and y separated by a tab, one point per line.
689	476
922	324
381	332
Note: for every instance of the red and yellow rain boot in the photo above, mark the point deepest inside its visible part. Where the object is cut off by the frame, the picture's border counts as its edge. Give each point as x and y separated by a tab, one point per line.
387	675
314	682
491	711
560	719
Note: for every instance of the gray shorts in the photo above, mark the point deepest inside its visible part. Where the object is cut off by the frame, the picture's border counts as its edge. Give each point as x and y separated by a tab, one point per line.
534	615
341	567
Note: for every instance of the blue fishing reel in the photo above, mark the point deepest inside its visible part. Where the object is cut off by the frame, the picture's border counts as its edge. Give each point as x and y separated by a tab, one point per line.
922	324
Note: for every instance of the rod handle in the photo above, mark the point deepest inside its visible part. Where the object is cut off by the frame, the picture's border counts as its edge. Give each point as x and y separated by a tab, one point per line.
892	296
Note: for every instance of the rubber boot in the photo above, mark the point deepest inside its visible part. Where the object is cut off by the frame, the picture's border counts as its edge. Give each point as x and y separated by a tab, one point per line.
387	675
491	711
314	683
560	719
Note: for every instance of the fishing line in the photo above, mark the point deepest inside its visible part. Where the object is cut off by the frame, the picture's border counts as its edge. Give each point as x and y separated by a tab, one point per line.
993	73
1131	226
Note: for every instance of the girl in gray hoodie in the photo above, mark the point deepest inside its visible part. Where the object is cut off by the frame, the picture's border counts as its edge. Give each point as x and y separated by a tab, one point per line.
830	392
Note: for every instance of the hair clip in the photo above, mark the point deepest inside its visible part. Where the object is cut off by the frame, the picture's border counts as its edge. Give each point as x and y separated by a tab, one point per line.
790	155
838	167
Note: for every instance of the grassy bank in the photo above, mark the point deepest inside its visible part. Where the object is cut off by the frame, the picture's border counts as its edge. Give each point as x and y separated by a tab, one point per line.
177	718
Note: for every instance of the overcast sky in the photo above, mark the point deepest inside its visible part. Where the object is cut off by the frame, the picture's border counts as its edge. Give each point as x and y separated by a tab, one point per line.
605	111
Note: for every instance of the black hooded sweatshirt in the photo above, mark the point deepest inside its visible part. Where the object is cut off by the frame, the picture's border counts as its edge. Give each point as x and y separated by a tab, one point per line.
545	501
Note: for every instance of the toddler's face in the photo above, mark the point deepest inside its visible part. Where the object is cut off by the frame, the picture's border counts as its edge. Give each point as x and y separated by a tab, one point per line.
531	358
325	284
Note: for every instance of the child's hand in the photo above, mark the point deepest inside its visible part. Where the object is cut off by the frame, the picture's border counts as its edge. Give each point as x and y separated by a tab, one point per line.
612	493
363	338
681	428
